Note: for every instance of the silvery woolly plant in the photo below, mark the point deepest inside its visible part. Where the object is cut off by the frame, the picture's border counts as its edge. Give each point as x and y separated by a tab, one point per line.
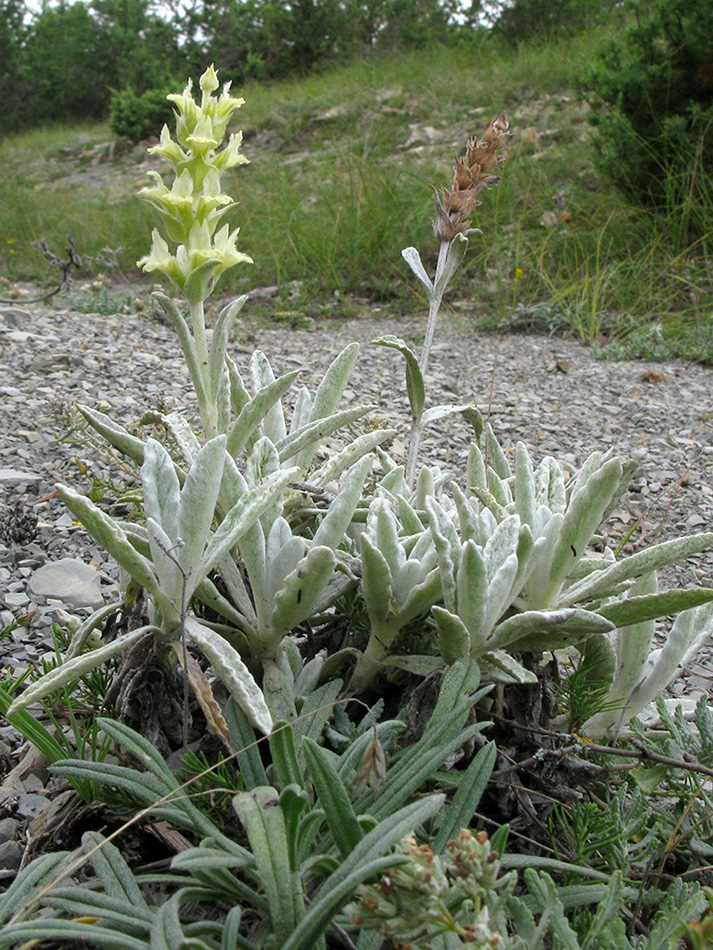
230	488
505	566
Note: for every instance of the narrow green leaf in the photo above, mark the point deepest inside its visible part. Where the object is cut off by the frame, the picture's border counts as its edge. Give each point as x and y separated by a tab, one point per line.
34	875
116	876
115	434
284	756
31	729
255	410
551	864
410	772
167	932
118	914
608	909
140	748
240	518
249	760
69	931
415	386
74	669
317	710
459	811
460	683
193	859
334	799
632	610
262	818
231	929
650	559
295	804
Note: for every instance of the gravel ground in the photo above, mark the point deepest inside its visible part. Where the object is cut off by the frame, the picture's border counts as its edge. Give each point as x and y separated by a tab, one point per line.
549	392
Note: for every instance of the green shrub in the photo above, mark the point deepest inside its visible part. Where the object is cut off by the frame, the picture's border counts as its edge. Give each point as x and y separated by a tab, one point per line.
653	106
138	117
519	21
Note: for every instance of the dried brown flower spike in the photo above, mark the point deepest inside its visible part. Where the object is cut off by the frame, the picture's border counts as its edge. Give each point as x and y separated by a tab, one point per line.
472	174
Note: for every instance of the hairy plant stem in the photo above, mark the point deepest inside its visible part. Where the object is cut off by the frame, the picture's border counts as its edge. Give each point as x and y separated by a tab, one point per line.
434	306
206	396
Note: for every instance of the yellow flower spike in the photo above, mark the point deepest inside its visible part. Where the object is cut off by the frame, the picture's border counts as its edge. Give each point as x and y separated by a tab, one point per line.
193	207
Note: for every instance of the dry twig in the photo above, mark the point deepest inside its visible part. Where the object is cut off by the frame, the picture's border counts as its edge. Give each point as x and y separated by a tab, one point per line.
73	261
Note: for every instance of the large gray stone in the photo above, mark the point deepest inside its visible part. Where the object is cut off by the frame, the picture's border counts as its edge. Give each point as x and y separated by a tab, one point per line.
10	856
72	582
10	477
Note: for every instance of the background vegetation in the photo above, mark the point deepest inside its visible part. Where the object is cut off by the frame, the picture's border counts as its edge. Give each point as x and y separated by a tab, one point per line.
354	109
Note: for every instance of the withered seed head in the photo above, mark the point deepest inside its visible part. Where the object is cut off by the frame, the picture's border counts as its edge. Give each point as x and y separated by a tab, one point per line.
472	174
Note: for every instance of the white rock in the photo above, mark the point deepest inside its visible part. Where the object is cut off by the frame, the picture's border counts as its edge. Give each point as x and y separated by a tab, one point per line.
10	477
69	581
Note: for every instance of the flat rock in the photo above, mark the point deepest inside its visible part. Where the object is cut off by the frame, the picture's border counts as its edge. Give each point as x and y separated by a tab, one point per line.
69	581
11	477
